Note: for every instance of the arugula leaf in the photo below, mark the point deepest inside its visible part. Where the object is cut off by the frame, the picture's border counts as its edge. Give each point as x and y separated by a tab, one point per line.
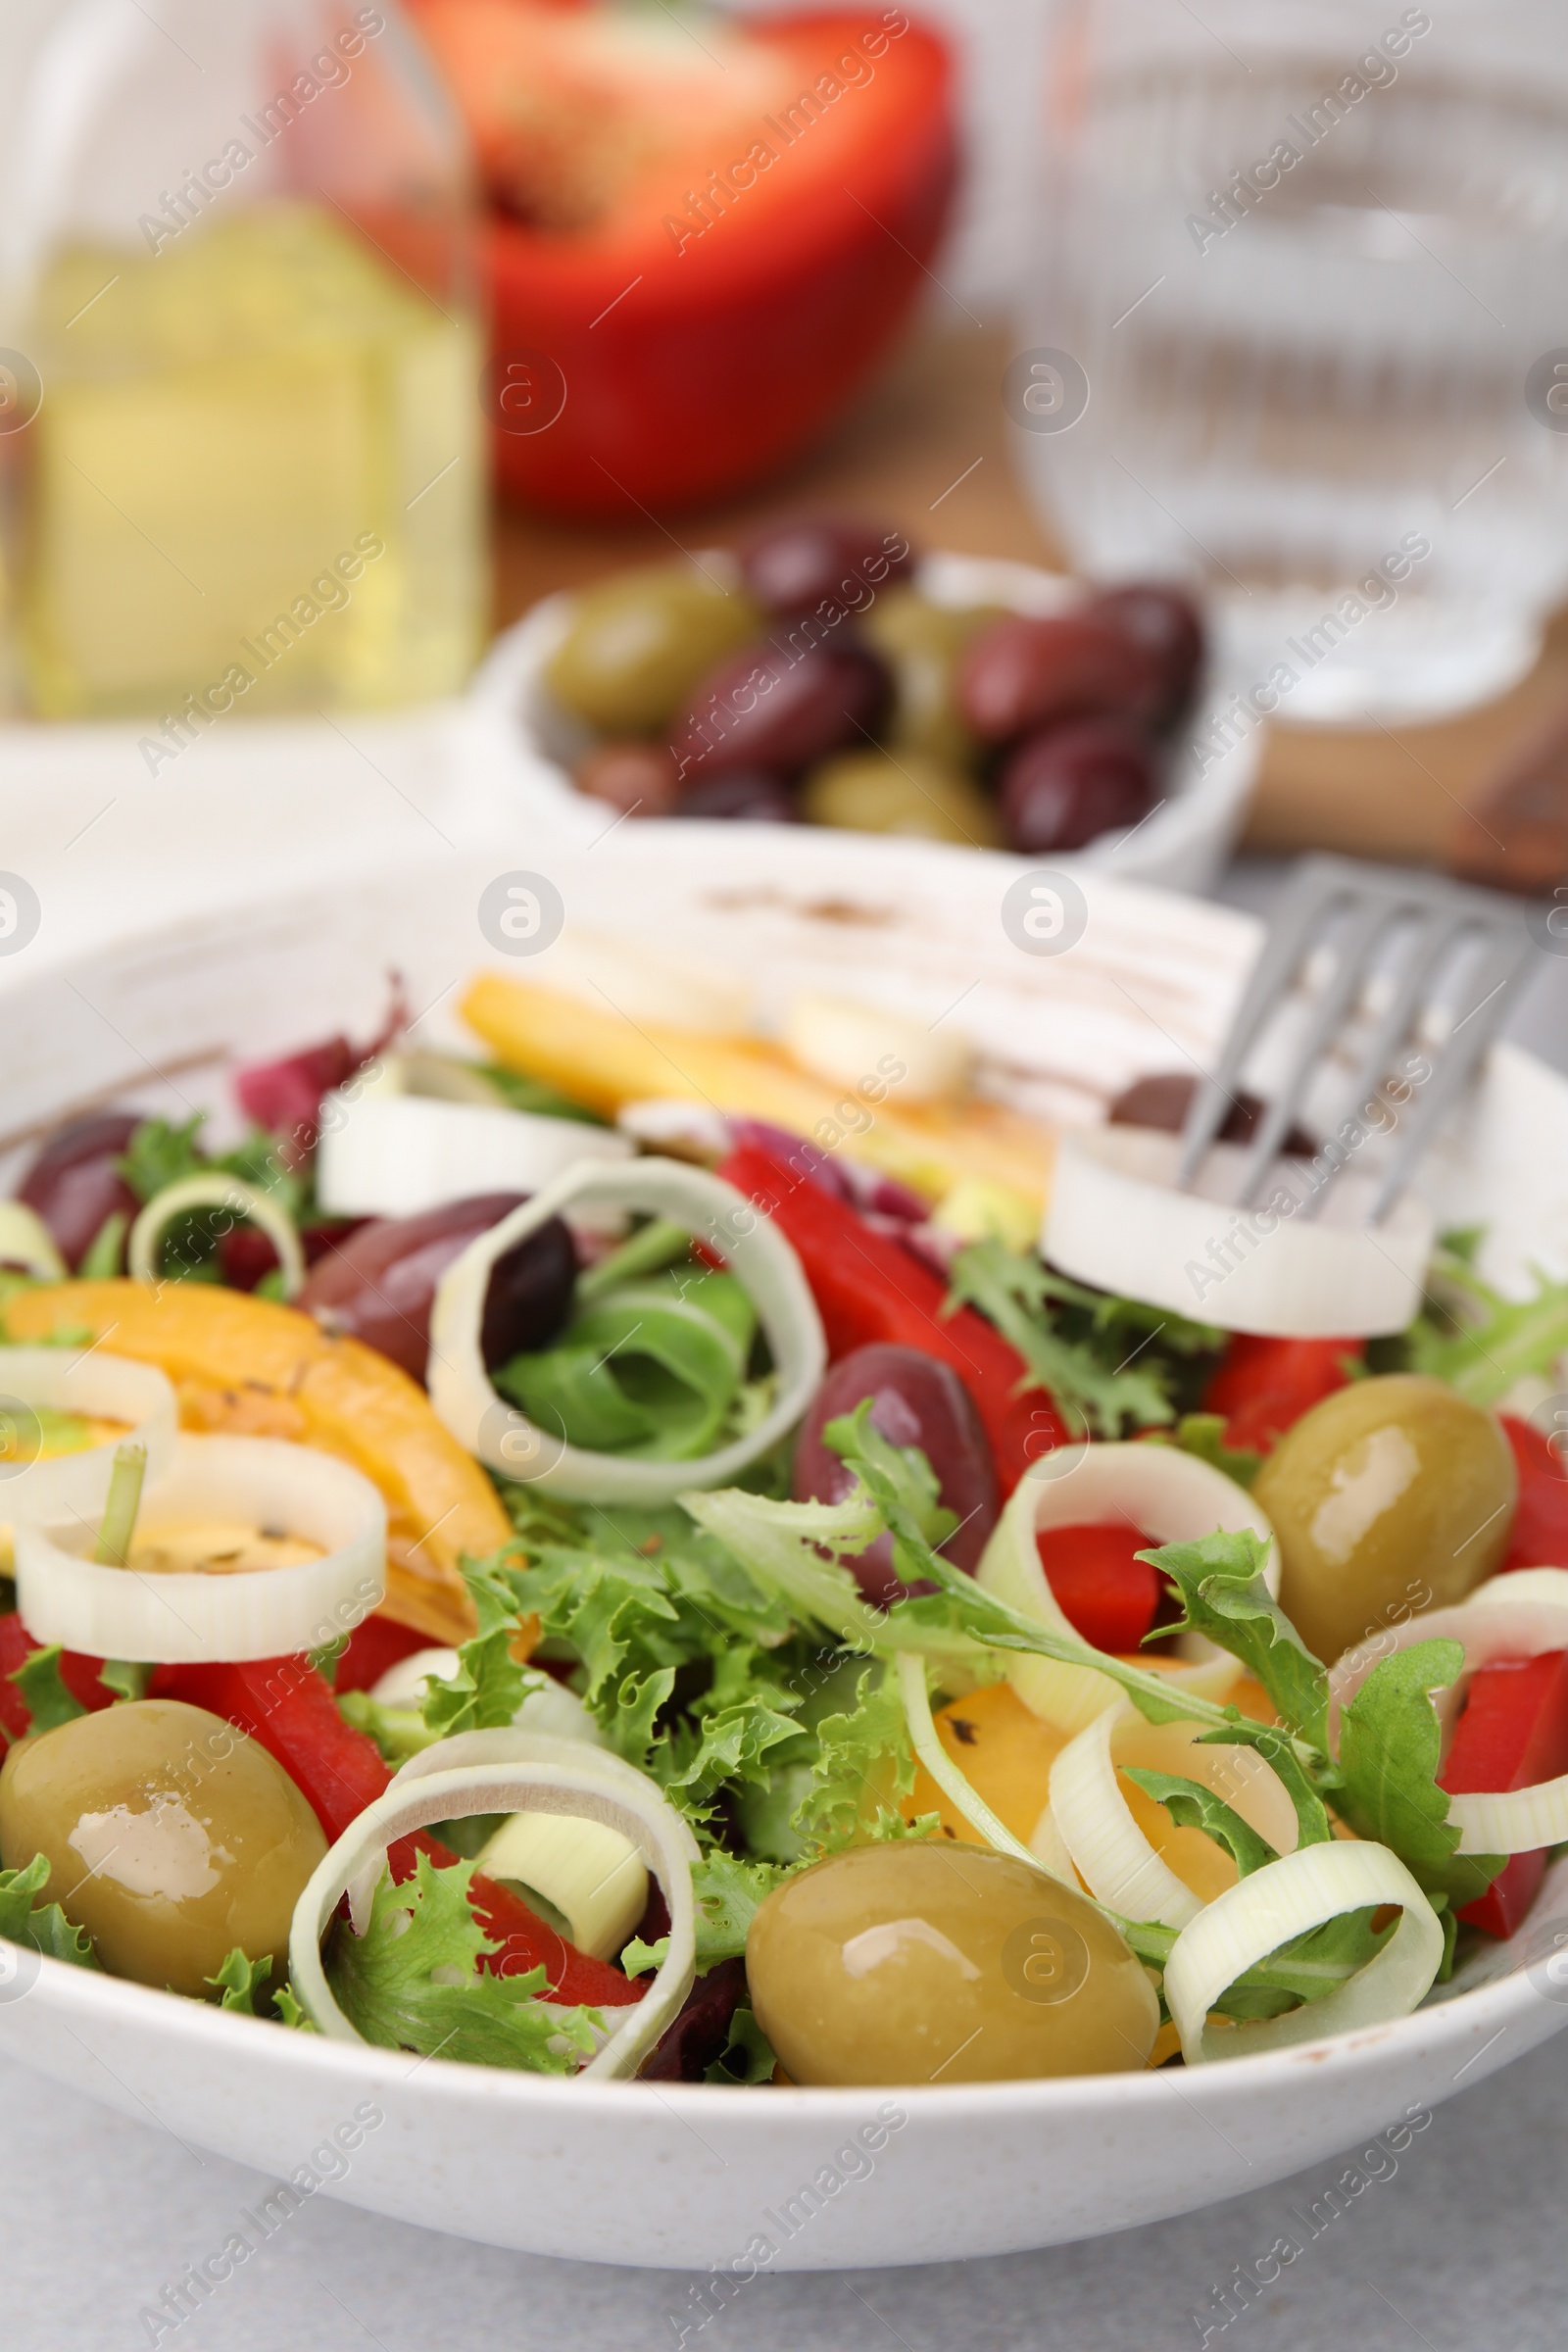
1311	1814
1192	1806
412	1982
489	1686
1219	1582
1307	1969
746	2055
1011	1290
241	1981
1203	1434
1471	1336
43	1689
41	1926
1391	1746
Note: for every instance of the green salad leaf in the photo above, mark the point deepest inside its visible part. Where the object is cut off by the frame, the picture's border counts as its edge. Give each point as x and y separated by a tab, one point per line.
412	1982
1203	1434
746	2055
42	1927
649	1368
728	1891
1192	1806
242	1980
398	1732
1390	1749
1219	1581
489	1685
43	1689
1471	1336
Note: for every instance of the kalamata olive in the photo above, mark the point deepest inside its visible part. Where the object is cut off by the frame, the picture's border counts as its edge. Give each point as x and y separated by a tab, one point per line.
380	1286
915	1400
637	778
775	708
748	794
1393	1495
871	791
1067	785
820	559
933	1960
170	1836
1163	1099
74	1183
640	641
1164	625
923	644
1025	672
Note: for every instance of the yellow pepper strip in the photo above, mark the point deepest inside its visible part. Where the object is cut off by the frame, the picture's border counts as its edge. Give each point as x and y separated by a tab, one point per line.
1005	1752
253	1368
605	1060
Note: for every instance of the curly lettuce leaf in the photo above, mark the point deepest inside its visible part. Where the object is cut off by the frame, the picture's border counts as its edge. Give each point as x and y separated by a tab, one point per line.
43	1689
1471	1336
490	1685
865	1765
240	1980
412	1982
1391	1747
41	1926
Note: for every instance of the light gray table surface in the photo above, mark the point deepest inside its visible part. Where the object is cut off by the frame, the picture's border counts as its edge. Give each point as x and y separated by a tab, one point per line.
1463	2246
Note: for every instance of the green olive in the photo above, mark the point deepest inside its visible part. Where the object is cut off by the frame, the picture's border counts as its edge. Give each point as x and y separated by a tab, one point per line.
928	1962
170	1836
898	792
1392	1497
921	644
640	642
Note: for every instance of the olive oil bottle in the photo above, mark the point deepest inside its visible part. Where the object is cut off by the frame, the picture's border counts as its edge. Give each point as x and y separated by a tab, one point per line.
252	480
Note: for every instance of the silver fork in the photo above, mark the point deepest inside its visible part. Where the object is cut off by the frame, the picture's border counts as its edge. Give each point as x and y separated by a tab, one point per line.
1369	906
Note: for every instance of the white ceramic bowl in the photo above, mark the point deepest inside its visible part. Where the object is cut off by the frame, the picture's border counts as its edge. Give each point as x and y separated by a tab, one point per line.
527	738
691	2176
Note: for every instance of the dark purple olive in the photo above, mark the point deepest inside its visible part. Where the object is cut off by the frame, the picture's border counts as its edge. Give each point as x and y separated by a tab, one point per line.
780	708
817	559
380	1286
1067	785
1166	628
74	1183
1024	672
915	1400
1162	1100
746	793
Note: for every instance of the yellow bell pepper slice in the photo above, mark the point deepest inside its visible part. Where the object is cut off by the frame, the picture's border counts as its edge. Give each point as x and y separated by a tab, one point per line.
606	1060
253	1368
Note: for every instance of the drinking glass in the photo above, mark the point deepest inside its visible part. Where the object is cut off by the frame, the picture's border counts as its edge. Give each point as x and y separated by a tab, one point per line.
1299	333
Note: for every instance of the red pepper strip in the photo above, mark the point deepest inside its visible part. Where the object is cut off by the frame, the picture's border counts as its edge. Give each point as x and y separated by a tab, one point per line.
288	1707
868	1287
373	1646
1539	1533
1106	1593
79	1674
1513	1733
1264	1385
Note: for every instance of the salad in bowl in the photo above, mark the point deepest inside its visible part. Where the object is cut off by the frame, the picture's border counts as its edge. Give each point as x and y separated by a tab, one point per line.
645	1551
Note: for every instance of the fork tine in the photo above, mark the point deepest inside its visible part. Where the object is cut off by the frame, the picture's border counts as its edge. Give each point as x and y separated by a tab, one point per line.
1437	934
1315	886
1502	975
1368	921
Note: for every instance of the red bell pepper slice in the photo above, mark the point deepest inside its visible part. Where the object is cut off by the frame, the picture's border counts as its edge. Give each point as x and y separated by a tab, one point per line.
1538	1538
1513	1733
1264	1385
1106	1593
78	1673
288	1707
868	1287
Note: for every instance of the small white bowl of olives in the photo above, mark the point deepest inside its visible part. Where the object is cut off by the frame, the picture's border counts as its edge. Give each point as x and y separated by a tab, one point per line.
825	672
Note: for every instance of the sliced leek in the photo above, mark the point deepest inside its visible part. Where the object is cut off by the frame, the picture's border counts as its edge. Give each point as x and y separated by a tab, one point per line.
26	1241
756	1253
852	1044
1285	1899
193	1617
964	1800
1109	1852
389	1153
449	1788
143	1250
1173	1496
38	1385
587	1871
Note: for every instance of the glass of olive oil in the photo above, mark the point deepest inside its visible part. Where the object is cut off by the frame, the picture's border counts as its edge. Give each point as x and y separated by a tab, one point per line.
244	469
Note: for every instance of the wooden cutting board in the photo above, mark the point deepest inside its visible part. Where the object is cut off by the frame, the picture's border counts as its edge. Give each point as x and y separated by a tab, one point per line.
928	448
